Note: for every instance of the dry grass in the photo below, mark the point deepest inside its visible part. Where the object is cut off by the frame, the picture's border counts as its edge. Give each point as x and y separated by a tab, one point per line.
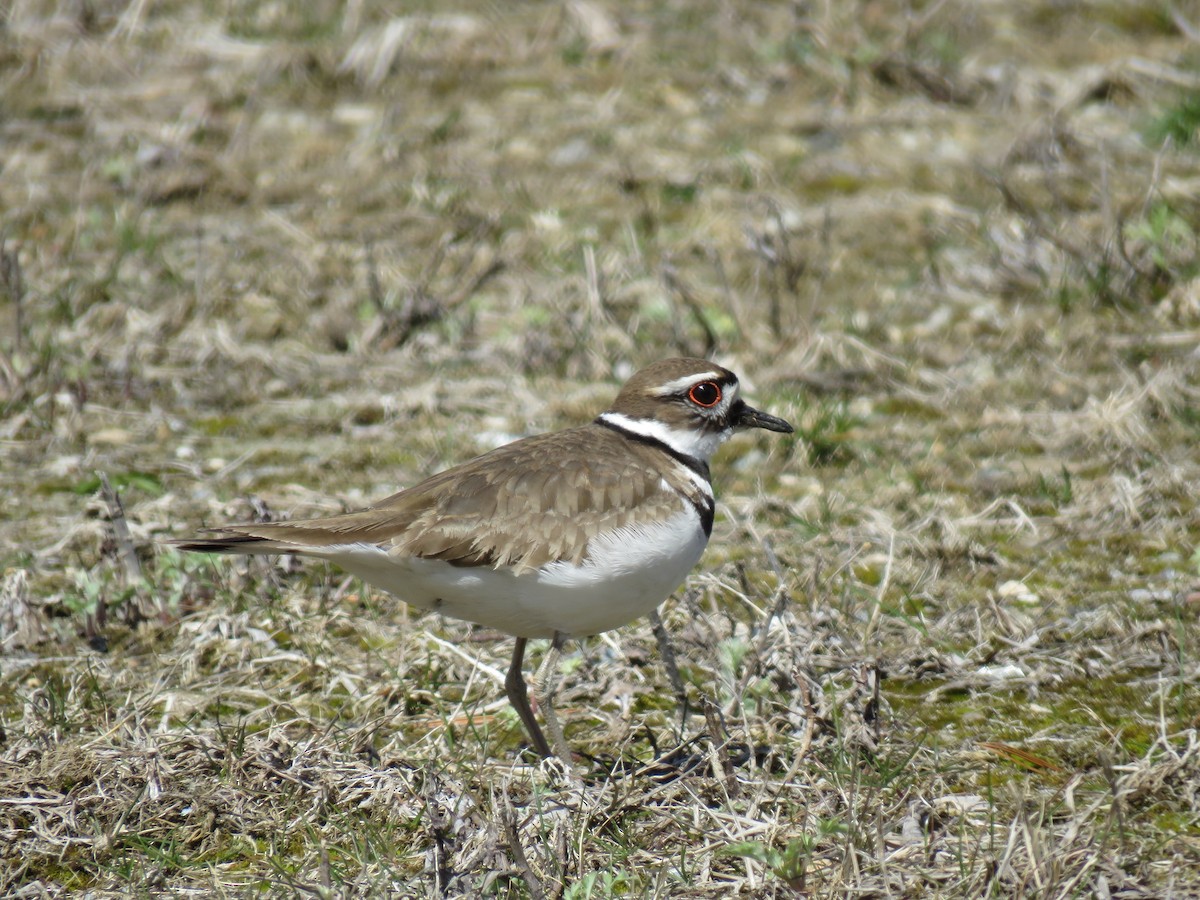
279	259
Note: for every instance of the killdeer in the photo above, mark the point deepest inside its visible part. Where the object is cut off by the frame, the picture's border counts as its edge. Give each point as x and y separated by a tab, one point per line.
558	535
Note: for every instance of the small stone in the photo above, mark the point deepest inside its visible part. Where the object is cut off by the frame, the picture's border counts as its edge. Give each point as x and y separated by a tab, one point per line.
113	437
1007	672
1016	590
958	804
571	153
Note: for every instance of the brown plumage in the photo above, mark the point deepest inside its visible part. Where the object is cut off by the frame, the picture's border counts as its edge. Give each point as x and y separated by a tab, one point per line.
522	505
568	533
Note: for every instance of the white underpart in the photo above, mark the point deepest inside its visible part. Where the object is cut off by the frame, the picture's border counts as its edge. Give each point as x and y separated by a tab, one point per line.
628	572
686	441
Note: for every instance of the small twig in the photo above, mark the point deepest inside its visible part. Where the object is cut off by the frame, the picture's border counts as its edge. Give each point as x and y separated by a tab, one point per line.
1117	810
876	608
494	268
782	599
200	273
120	527
374	286
810	715
421	306
675	284
560	851
810	724
324	873
824	268
866	684
1034	217
12	282
8	373
134	577
435	262
595	296
872	713
733	302
536	890
476	664
439	828
712	717
787	269
782	596
1186	28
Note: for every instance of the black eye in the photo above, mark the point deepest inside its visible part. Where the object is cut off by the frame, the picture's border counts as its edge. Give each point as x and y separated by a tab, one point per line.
706	394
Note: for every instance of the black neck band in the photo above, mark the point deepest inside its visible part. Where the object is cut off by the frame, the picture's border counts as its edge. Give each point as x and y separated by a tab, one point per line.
699	466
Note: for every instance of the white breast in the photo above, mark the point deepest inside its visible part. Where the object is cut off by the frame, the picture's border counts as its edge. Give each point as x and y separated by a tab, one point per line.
628	573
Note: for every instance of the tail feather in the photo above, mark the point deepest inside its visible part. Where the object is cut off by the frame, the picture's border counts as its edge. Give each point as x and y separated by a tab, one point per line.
236	543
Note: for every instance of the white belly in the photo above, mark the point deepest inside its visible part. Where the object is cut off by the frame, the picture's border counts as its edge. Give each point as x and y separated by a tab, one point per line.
627	574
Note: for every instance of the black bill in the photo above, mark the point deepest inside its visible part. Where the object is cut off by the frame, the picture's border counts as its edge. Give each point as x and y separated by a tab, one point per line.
749	417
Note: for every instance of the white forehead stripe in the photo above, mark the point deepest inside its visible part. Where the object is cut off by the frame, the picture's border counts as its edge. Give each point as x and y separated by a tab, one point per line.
684	441
674	387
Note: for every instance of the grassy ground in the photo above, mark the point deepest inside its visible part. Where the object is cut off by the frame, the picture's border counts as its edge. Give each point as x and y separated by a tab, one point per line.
280	259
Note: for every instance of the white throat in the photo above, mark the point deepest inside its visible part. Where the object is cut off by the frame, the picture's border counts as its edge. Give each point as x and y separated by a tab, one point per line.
685	441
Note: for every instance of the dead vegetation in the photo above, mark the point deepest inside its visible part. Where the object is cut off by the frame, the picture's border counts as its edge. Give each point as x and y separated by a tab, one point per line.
262	260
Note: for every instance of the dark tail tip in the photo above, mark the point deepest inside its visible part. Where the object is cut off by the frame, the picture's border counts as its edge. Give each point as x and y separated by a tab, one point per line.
233	543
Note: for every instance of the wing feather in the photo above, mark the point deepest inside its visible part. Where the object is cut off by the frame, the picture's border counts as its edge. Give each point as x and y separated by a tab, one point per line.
523	505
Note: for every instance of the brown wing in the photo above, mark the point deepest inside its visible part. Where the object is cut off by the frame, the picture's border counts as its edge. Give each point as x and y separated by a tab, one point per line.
524	504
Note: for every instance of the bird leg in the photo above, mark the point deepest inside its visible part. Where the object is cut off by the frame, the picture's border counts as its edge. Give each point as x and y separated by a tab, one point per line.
544	689
667	652
518	696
